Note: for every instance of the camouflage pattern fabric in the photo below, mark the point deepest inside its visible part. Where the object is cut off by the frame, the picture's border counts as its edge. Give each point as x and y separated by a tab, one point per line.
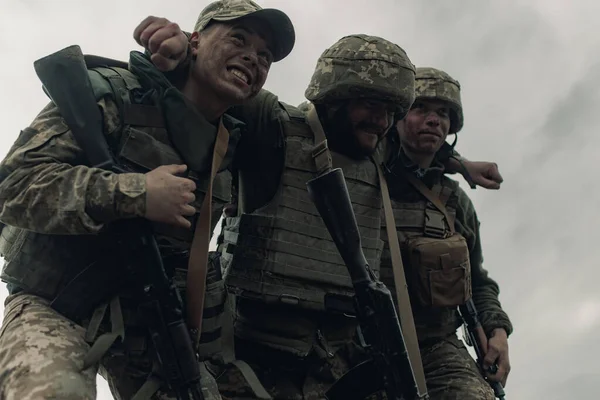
436	84
64	199
41	353
230	10
452	374
363	66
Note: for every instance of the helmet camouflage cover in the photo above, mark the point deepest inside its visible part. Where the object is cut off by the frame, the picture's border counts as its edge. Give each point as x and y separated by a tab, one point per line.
363	66
433	83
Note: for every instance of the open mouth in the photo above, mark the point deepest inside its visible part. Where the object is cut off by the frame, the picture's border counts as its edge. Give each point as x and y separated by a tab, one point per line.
241	75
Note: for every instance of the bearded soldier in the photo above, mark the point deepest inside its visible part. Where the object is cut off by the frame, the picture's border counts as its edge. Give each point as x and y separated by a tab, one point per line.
293	297
62	215
438	231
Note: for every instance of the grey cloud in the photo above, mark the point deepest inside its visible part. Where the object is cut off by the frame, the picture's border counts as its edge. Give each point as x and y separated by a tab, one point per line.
530	76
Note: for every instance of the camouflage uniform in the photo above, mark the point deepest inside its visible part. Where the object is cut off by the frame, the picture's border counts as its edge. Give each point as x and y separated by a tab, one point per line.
450	371
299	351
43	351
308	373
57	211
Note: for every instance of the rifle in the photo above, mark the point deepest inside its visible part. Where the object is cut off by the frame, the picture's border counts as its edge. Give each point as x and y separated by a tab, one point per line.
64	75
389	367
477	338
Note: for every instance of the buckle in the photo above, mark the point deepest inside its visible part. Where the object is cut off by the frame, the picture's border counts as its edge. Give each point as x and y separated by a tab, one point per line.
320	153
319	149
435	224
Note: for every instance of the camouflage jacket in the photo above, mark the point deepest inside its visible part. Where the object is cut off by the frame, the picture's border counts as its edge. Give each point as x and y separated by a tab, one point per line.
45	188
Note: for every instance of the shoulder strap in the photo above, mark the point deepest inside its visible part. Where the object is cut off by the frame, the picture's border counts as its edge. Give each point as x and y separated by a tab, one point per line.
320	152
198	260
405	313
429	195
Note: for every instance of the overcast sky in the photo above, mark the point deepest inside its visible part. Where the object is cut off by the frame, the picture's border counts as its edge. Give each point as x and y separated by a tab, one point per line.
530	73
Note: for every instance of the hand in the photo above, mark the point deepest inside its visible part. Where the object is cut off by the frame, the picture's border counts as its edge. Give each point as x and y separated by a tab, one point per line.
484	174
164	40
497	353
168	196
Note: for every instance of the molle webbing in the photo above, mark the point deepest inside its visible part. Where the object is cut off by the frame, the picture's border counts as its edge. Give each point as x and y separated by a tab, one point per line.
283	253
410	218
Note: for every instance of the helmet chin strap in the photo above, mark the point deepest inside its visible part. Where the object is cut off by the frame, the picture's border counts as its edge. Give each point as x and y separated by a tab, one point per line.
455	140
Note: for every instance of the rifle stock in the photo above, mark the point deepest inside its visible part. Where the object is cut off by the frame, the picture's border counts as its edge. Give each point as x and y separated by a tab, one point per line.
389	369
66	81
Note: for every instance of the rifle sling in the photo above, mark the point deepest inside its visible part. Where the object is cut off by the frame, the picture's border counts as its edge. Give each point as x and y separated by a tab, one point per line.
101	345
198	261
405	314
320	153
429	195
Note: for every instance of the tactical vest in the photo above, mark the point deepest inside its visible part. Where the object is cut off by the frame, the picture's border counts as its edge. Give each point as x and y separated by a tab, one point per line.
436	262
42	264
282	253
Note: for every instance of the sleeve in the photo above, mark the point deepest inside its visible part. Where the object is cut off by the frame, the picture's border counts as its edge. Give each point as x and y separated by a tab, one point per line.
451	159
259	157
44	186
485	289
262	133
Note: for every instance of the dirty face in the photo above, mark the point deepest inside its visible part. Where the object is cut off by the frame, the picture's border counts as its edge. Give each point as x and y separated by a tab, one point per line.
232	60
425	127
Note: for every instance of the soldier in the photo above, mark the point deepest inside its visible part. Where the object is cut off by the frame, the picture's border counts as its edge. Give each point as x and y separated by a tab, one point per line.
167	44
293	297
62	215
438	231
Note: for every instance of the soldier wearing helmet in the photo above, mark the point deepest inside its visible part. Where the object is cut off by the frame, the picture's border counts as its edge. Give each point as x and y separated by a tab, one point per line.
441	247
291	298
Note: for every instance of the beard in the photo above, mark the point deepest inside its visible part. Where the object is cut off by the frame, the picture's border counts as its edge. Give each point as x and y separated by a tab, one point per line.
340	132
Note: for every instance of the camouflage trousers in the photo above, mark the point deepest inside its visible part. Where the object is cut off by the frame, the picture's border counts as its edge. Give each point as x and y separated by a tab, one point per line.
452	374
450	371
42	353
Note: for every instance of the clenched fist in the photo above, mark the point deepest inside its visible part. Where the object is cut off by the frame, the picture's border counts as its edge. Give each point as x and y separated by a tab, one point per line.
164	39
168	196
485	174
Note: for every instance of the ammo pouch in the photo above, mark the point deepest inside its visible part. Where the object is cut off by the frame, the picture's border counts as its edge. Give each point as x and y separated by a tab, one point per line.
441	268
441	275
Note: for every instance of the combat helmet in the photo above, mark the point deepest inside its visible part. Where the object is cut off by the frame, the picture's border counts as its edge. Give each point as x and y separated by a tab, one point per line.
433	83
363	66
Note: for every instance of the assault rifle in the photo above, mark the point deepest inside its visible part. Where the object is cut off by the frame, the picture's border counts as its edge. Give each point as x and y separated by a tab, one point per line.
389	367
477	338
64	75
